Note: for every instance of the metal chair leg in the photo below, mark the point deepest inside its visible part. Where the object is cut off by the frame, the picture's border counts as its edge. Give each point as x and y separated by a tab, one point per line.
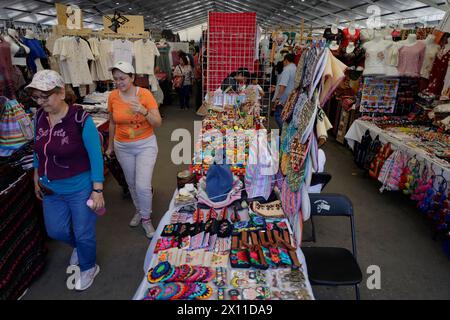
358	296
313	230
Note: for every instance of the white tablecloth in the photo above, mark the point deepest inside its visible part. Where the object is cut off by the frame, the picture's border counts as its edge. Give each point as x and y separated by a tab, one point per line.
359	128
144	286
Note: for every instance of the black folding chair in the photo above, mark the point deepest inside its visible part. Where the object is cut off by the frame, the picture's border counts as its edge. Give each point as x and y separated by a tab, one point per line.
333	266
323	179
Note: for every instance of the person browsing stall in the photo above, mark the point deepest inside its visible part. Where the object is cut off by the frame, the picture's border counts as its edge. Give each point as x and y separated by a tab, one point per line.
133	116
236	81
185	70
285	86
68	171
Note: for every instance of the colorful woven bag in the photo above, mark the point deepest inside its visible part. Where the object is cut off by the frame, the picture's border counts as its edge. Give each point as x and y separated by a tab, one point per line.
16	128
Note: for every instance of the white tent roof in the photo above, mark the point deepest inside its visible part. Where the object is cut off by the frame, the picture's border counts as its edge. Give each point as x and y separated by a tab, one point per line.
182	14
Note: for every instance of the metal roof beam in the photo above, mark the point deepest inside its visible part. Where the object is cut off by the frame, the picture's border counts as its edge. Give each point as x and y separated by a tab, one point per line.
271	14
328	12
284	10
172	18
439	6
352	9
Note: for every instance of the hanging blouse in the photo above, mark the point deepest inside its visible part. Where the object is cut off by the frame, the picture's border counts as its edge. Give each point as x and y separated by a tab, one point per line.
438	72
6	71
63	64
300	68
431	52
145	52
333	75
350	37
77	53
356	58
122	51
18	51
411	60
380	58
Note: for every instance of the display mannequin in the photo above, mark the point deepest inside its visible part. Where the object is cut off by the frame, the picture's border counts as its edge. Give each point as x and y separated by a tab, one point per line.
73	13
367	35
377	55
19	51
431	52
334	35
29	34
37	50
350	48
351	29
334	46
351	34
410	41
334	28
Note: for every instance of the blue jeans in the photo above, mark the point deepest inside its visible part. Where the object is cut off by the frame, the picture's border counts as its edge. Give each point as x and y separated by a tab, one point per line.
278	111
185	96
70	220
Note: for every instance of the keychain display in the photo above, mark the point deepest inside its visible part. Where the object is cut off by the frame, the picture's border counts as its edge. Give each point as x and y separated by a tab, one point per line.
257	293
244	278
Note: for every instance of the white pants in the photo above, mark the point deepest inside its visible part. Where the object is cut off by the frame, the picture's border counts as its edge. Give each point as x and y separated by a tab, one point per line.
138	161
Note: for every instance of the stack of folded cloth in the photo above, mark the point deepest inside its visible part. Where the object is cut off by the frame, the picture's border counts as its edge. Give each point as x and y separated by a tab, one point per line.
186	195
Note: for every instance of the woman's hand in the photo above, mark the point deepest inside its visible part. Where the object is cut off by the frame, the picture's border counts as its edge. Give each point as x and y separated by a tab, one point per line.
38	191
37	187
99	201
138	108
109	151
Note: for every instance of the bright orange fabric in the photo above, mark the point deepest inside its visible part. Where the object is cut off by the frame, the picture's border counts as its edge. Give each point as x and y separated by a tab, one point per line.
131	126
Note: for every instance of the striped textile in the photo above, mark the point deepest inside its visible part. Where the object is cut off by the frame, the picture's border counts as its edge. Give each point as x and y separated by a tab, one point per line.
16	128
22	238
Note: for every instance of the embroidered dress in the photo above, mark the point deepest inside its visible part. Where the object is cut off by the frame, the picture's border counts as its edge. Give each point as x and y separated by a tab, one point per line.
431	52
438	72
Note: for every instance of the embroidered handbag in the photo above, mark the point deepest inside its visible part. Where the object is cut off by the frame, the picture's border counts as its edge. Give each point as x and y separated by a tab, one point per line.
268	210
178	80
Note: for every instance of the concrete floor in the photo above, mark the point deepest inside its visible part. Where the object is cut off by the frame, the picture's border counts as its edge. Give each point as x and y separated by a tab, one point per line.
391	234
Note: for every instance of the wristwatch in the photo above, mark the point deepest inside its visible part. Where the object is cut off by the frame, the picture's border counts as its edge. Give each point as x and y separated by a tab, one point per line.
98	190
